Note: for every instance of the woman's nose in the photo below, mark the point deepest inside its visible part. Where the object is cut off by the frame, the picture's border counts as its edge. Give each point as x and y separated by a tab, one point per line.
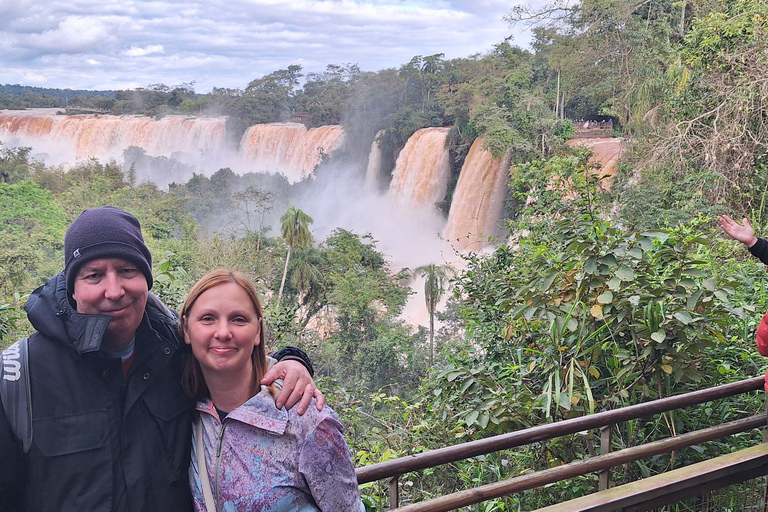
222	330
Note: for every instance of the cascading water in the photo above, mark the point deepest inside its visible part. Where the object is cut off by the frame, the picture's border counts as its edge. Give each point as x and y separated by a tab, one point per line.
478	201
422	169
288	148
373	173
65	139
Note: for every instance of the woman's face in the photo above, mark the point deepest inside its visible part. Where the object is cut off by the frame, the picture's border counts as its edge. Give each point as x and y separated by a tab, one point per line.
223	329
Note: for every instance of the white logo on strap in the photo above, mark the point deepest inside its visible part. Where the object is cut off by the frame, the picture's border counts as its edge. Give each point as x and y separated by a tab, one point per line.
11	363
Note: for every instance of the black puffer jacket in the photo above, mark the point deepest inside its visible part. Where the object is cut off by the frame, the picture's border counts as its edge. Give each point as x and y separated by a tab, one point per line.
100	443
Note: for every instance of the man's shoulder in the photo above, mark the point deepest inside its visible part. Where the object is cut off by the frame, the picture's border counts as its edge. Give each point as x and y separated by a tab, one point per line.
162	319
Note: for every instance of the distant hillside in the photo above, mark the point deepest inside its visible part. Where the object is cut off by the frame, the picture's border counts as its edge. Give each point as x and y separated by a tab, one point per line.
17	91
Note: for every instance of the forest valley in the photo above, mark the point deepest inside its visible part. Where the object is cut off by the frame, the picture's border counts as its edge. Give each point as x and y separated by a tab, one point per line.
596	296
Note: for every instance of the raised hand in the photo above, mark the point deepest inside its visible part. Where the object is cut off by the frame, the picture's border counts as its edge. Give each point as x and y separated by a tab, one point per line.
741	232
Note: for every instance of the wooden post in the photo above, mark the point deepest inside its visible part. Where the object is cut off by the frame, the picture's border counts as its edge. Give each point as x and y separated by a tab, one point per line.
605	448
394	497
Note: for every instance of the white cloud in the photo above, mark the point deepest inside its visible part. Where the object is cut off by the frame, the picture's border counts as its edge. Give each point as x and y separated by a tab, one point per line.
135	51
74	34
218	43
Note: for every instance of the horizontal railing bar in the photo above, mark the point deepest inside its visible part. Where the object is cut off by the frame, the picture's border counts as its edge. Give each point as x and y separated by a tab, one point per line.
469	449
573	469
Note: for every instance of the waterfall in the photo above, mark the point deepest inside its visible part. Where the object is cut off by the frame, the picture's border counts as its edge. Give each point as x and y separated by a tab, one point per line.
288	148
422	169
65	139
373	173
478	201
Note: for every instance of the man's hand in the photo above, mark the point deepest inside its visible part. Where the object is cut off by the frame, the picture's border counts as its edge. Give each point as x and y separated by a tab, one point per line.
297	385
743	233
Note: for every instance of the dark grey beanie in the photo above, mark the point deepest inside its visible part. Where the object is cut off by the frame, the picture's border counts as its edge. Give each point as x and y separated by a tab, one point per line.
105	232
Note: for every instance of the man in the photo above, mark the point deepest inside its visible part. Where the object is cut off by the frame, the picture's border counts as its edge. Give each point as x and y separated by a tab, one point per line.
111	427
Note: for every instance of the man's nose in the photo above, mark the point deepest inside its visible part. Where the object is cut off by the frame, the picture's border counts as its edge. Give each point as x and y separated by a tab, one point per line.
114	286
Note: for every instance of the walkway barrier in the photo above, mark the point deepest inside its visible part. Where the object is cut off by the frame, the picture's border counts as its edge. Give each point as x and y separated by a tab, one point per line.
604	421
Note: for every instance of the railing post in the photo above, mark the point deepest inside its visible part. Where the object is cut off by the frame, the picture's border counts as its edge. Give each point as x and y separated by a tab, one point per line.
605	448
394	497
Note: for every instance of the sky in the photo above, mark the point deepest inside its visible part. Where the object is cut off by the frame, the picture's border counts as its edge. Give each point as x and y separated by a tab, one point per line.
124	44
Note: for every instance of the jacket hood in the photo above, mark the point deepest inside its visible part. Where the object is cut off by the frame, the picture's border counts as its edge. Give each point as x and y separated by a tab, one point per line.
52	315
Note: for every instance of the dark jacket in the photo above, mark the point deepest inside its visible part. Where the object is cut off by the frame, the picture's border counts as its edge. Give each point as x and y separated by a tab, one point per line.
100	443
760	250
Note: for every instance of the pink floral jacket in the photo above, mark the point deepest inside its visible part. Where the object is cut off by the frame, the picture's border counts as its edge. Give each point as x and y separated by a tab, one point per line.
273	460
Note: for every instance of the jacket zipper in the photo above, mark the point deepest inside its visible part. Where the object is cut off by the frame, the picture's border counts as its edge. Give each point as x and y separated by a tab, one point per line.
218	464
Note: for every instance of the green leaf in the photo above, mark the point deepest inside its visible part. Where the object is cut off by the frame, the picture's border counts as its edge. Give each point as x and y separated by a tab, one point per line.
609	259
605	298
614	283
625	273
471	418
687	282
659	336
660	235
694	299
710	284
590	266
636	252
684	317
645	243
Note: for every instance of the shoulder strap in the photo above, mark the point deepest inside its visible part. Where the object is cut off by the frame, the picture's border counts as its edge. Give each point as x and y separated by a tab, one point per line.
202	467
15	391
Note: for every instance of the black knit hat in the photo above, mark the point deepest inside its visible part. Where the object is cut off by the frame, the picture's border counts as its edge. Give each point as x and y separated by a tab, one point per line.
105	232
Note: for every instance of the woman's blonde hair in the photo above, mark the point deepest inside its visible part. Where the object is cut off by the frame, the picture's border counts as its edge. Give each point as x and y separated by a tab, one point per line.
192	377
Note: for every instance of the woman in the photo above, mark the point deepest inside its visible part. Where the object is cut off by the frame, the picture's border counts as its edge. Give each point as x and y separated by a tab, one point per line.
258	457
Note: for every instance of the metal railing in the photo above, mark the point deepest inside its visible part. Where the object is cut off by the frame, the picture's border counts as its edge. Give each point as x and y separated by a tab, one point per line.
605	421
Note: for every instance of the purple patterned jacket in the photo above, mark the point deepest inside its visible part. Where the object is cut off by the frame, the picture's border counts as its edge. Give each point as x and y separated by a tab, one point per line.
273	460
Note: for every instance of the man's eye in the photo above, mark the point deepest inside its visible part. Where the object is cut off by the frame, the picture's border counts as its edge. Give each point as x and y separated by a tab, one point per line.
129	271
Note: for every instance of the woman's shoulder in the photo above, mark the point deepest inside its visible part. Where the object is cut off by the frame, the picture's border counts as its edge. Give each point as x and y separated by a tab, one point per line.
312	417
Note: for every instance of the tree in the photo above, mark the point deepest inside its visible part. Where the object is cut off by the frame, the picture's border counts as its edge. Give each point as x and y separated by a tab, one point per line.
294	229
253	202
436	282
268	99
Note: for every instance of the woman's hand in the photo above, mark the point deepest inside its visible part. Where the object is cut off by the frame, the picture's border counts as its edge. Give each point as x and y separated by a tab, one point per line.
297	385
743	233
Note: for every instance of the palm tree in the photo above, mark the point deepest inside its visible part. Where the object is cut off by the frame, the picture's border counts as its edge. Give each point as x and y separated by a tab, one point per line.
436	282
306	270
294	228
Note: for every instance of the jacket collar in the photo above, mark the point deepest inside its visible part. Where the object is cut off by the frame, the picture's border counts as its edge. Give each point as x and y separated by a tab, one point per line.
259	411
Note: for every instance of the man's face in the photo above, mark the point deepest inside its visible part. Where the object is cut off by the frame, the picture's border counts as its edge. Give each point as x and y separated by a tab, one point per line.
114	287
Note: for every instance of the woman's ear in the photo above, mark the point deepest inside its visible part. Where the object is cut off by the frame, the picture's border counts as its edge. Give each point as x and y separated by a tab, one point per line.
185	330
257	341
